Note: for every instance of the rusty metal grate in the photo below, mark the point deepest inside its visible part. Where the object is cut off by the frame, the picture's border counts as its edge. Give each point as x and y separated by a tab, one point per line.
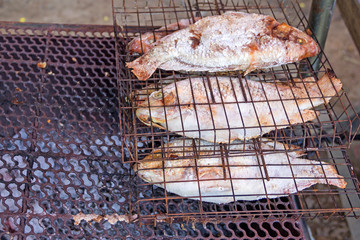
60	146
329	130
62	151
324	138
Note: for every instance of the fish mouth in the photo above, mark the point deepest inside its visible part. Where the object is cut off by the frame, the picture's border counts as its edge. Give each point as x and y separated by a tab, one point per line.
152	162
149	121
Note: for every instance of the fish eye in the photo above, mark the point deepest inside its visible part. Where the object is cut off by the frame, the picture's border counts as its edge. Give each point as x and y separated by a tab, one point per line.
300	41
158	95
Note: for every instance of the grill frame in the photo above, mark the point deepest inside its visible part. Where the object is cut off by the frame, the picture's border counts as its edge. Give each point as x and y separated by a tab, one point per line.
39	201
141	140
333	125
38	153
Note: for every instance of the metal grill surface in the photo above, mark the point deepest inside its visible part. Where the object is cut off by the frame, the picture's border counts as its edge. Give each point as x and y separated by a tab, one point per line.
331	129
61	172
324	138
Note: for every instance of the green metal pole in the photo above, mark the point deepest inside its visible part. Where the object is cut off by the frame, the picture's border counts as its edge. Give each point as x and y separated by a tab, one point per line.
319	21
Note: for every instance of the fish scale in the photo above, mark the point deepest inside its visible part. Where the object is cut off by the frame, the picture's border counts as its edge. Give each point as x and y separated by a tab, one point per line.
249	42
247	177
185	108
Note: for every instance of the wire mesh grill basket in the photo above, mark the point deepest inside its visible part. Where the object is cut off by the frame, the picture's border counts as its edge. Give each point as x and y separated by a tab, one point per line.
333	125
68	138
61	174
323	139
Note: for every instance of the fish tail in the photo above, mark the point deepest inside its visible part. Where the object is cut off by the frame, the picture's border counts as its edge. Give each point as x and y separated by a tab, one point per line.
333	178
306	115
329	85
143	67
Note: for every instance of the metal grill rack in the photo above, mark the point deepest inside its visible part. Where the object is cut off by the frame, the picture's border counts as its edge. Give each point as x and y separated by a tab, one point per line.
324	138
331	126
65	167
60	160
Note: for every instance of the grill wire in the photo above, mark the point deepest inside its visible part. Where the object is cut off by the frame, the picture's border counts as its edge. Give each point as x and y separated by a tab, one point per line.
62	155
324	138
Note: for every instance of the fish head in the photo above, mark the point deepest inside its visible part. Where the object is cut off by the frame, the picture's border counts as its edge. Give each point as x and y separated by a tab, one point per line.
150	168
138	96
299	43
158	108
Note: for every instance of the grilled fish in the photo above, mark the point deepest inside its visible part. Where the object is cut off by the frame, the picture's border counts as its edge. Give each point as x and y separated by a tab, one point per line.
149	39
228	42
181	175
187	108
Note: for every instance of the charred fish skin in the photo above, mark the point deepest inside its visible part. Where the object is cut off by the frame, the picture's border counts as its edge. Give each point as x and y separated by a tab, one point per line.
248	42
247	182
186	107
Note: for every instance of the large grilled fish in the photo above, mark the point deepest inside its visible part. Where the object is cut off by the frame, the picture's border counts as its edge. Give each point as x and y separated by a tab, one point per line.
148	40
187	108
180	173
232	41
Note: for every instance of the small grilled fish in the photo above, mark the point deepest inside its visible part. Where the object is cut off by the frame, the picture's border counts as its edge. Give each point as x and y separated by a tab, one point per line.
149	39
187	108
228	42
181	175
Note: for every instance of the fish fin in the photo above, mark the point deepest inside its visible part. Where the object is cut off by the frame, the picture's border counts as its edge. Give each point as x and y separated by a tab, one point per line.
143	67
333	177
296	150
329	85
306	116
249	70
299	153
293	149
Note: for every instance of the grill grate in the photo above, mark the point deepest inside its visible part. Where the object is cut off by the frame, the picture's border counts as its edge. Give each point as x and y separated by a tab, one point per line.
61	150
329	130
60	145
324	138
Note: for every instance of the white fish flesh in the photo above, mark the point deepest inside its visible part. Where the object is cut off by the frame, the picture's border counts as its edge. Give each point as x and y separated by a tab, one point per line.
228	42
186	107
180	171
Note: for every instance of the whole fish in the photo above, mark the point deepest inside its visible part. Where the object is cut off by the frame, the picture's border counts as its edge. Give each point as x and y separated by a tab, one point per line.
180	173
228	42
148	40
220	110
